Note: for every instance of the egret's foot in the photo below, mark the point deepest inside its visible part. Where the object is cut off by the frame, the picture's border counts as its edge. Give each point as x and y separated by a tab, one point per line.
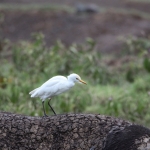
45	116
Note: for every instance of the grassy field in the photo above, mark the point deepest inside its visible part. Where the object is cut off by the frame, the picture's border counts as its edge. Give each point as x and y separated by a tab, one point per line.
117	85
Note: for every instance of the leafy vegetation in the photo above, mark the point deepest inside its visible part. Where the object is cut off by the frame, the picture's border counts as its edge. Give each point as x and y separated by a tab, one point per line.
117	86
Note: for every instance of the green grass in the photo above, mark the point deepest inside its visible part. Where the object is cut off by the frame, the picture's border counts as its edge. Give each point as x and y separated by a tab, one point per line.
121	90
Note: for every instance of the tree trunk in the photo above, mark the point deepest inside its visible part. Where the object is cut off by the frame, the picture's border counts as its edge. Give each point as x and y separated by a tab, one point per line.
61	132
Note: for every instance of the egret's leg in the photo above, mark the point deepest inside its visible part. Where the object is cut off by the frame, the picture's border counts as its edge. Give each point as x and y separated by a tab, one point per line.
44	109
51	107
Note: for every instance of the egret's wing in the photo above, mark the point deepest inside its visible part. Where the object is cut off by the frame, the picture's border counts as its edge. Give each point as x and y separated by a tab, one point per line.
50	88
48	83
54	80
33	91
45	88
58	78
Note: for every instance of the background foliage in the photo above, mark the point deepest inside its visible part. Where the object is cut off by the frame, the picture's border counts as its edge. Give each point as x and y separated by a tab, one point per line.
117	85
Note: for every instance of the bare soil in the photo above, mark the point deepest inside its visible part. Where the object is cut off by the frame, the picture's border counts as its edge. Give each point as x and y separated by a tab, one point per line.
106	28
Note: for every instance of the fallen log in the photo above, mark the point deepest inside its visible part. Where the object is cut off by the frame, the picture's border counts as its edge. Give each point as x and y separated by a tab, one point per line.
61	132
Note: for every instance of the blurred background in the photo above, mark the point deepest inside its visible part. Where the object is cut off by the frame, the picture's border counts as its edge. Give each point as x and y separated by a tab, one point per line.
106	42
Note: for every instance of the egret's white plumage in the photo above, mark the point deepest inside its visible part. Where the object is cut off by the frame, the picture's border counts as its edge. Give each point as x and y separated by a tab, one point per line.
55	86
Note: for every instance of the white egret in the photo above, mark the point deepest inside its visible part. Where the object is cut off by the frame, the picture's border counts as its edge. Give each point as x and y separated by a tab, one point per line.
55	86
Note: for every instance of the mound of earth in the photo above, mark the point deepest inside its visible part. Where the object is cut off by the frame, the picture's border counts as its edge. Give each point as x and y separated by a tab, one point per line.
106	28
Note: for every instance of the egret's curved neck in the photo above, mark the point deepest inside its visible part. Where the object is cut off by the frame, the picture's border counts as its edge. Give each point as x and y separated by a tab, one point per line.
71	82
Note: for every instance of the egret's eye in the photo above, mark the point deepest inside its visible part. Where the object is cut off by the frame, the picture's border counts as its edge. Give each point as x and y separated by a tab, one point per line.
77	78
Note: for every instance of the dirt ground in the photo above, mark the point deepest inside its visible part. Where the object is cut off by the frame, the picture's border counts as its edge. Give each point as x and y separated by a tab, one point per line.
107	28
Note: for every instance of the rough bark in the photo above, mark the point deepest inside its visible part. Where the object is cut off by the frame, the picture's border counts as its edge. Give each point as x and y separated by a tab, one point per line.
134	137
61	132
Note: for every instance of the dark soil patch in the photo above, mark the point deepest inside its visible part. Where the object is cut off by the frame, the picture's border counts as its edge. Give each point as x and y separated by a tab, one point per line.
105	28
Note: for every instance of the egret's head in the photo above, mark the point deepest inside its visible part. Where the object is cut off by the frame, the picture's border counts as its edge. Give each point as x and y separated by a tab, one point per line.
76	78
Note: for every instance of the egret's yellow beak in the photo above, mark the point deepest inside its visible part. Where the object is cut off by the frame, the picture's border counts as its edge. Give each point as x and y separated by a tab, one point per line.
82	81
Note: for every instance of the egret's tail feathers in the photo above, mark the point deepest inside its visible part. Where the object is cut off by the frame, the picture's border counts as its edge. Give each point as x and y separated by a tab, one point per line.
33	93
